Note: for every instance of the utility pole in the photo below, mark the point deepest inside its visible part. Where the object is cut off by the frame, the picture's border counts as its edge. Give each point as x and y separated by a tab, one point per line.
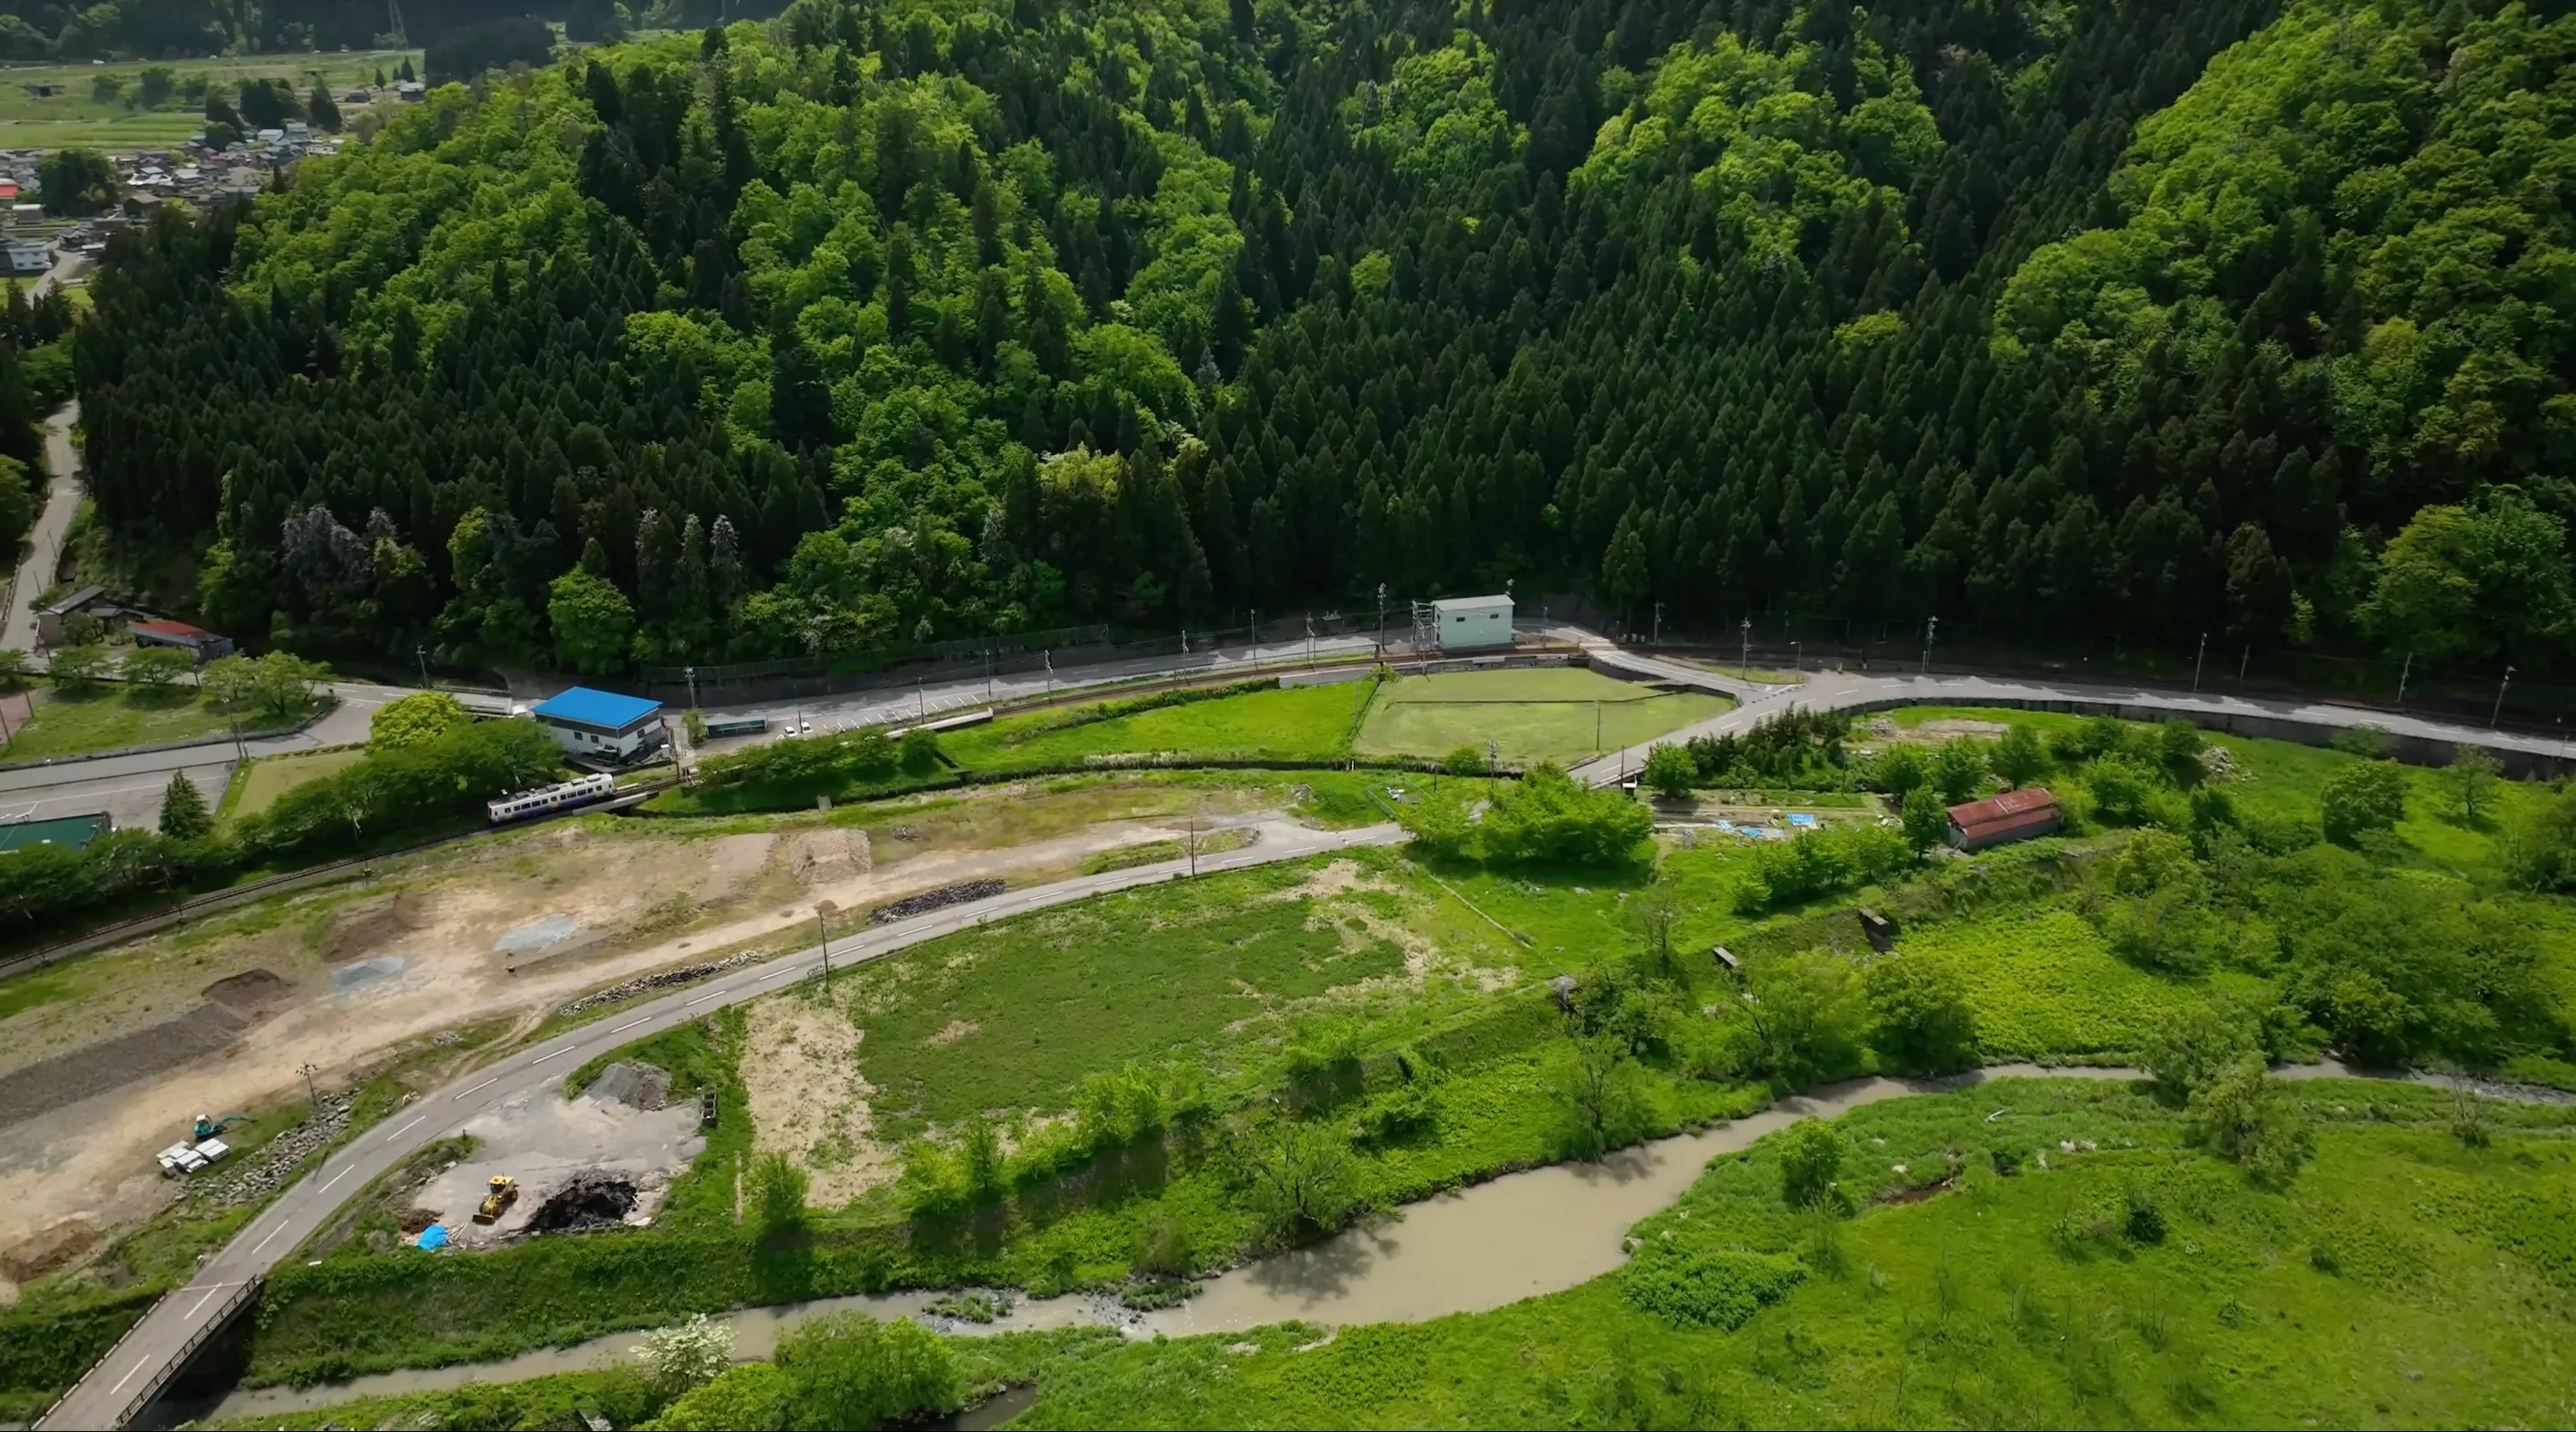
990	663
1658	638
1744	648
823	936
1381	621
2402	673
1596	728
1797	655
1310	638
2196	663
1931	628
2501	687
691	673
920	702
2243	662
1049	657
421	654
311	1092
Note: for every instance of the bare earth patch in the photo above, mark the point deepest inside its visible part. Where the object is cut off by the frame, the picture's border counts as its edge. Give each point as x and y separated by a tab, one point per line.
957	1029
800	1074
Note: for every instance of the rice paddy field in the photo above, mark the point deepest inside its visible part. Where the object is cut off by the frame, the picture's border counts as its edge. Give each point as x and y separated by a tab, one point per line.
79	118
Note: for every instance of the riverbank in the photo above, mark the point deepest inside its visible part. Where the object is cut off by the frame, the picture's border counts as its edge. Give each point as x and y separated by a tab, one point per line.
1565	1225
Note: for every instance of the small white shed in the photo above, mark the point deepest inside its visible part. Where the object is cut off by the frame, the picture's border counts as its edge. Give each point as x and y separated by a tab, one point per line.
1472	623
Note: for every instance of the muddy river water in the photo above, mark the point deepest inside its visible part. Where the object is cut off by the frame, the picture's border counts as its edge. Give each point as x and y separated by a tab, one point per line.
1514	1237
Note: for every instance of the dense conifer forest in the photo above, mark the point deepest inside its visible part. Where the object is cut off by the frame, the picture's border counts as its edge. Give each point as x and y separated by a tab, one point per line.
877	324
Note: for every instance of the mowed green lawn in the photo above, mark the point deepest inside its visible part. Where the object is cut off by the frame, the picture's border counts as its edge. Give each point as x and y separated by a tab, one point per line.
1557	714
105	717
1303	723
264	781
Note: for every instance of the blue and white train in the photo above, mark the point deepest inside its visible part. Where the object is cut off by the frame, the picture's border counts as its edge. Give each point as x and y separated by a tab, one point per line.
578	792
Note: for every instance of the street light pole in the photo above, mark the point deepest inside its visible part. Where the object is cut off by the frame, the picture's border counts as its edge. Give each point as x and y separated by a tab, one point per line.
1744	648
2402	673
420	653
823	937
1381	621
1658	638
1931	628
1049	657
2196	663
2501	687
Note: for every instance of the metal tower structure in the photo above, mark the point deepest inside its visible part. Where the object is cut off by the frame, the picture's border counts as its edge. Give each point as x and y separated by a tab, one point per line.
1426	630
393	22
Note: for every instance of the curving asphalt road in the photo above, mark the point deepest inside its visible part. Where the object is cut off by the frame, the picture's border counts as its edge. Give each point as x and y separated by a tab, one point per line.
149	1355
2291	718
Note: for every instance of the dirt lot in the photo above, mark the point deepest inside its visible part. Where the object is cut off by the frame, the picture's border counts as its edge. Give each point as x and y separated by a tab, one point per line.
217	1017
543	1141
800	1070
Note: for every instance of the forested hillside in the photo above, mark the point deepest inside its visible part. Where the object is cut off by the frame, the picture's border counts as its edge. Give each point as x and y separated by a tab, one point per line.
883	323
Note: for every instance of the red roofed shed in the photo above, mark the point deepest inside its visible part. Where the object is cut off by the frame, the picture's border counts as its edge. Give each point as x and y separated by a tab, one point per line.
205	644
2013	815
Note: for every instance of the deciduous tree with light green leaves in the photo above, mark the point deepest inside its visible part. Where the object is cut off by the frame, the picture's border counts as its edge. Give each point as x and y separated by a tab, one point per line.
1670	771
155	666
2360	798
2475	582
414	720
592	620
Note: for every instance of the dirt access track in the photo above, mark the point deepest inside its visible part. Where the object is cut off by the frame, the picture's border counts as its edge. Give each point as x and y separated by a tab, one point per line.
490	936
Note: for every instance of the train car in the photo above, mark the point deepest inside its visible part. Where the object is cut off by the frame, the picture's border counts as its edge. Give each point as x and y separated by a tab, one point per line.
578	792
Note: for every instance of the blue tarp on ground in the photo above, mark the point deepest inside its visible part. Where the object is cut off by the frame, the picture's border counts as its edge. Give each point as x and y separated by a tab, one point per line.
433	1237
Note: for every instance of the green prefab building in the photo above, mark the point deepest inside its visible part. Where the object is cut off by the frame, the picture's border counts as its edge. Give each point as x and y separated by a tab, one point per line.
71	830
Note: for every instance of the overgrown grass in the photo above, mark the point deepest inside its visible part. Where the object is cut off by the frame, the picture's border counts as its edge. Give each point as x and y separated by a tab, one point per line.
1560	714
2044	985
2402	1281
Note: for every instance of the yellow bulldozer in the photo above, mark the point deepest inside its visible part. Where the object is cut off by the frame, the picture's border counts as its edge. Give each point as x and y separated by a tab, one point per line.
503	1192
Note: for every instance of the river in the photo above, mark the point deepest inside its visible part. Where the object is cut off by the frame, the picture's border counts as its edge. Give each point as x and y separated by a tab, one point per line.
1518	1236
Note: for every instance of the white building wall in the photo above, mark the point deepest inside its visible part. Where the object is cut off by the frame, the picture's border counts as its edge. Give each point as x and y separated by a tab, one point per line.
1471	628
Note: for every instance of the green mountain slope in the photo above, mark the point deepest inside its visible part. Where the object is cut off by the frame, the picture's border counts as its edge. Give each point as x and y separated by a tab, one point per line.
870	326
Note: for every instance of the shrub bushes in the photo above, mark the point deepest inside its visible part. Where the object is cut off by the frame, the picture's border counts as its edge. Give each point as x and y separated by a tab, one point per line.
1821	862
1699	1288
47	887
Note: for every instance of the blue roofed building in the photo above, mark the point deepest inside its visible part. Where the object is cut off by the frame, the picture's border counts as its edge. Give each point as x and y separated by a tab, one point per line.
603	725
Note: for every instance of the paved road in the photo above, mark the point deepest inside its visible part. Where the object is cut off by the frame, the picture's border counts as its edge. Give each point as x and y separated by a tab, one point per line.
1851	691
45	543
128	788
144	1359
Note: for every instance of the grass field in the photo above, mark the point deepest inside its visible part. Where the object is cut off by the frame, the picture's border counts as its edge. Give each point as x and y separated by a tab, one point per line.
76	119
105	717
1325	989
1559	714
1302	723
262	782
